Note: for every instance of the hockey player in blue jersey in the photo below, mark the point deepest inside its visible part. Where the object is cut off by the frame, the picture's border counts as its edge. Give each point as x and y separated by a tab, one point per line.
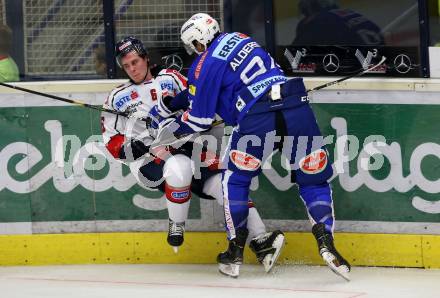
238	80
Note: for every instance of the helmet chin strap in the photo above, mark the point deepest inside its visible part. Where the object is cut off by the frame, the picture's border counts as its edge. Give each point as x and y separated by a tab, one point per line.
146	75
201	52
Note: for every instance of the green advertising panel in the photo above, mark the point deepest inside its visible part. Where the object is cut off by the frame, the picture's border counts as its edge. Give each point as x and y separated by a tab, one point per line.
386	170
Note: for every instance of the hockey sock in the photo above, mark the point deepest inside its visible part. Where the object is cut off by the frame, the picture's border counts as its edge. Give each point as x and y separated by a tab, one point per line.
319	203
255	224
235	193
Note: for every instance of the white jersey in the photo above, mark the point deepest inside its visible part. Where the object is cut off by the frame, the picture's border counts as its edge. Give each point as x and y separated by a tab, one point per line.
136	100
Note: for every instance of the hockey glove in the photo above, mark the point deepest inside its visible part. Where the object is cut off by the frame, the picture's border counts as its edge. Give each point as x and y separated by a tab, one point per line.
166	137
133	150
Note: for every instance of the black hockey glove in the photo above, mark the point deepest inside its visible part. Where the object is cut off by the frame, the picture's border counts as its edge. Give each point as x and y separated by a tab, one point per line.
133	150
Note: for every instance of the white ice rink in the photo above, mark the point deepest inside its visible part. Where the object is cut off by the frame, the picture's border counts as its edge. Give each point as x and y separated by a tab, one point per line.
194	281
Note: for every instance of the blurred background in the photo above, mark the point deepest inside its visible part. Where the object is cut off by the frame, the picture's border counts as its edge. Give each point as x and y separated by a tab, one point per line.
74	39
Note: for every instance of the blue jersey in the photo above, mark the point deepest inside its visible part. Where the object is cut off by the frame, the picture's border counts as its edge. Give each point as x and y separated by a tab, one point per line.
227	79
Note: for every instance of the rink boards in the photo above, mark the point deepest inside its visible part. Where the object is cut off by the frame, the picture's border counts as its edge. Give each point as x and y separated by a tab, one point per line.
57	210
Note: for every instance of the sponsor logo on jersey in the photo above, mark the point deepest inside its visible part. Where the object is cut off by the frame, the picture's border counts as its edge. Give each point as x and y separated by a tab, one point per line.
199	65
260	87
242	54
228	45
180	195
166	86
244	161
132	108
314	163
192	90
121	101
134	95
240	104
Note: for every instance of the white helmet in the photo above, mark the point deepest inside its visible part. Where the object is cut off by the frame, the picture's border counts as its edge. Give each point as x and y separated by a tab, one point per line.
200	27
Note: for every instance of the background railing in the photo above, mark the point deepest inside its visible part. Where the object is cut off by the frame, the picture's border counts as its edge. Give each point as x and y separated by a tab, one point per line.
58	36
2	12
60	39
74	39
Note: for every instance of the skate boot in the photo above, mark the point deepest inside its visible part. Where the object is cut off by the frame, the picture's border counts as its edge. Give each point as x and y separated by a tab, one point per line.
175	234
268	247
229	261
329	253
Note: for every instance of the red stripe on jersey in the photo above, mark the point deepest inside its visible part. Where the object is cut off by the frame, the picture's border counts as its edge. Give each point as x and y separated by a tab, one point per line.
251	204
181	78
115	145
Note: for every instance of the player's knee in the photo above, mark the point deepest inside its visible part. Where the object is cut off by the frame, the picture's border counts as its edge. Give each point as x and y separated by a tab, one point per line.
238	206
178	171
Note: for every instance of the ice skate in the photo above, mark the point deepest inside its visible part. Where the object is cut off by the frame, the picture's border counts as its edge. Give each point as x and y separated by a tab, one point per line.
268	247
329	253
229	261
175	234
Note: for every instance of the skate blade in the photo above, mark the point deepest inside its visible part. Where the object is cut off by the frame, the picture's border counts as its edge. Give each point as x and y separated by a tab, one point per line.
232	270
270	260
175	249
341	270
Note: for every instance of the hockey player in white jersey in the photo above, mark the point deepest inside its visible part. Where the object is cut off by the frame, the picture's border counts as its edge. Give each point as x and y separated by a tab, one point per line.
168	169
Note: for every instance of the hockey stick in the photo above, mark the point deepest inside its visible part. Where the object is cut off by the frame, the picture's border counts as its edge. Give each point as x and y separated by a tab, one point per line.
75	102
357	74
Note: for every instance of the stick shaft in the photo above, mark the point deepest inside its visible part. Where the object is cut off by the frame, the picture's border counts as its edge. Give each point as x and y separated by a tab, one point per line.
333	82
348	77
75	102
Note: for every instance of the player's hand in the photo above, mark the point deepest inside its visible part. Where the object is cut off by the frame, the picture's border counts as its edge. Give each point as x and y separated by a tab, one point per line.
134	149
166	136
165	132
154	121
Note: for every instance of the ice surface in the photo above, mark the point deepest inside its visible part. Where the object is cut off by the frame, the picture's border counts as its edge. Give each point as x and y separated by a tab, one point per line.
194	281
